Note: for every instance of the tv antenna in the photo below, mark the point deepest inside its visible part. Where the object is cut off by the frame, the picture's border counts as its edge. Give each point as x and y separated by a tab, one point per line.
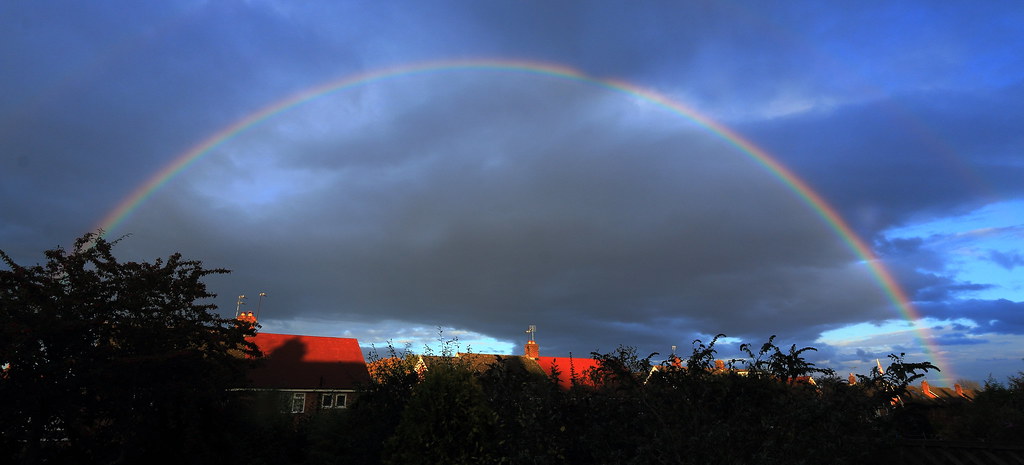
532	331
238	305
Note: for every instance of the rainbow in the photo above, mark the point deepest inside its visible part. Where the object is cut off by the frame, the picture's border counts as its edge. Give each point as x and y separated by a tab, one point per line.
815	201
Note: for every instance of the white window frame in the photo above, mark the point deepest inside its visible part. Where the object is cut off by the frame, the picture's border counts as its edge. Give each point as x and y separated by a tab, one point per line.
341	401
301	398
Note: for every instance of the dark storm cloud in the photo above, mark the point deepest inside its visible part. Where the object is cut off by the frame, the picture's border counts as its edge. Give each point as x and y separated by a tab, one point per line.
893	159
960	327
999	316
930	287
488	202
862	355
957	339
922	272
968	287
741	56
1009	260
459	214
99	97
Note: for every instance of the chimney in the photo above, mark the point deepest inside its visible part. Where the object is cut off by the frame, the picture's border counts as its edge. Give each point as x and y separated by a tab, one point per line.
959	390
927	391
852	379
532	350
247	317
719	365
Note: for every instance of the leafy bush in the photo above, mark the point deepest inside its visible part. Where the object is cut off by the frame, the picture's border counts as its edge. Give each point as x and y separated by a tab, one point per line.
111	361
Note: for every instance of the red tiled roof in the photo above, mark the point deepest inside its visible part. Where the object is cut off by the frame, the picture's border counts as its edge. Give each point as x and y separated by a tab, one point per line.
308	362
567	367
936	395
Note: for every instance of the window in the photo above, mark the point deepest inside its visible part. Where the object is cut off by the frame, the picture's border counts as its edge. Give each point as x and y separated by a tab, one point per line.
340	401
326	400
299	402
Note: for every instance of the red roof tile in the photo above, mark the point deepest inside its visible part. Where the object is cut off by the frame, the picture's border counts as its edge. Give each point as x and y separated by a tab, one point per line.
567	367
308	362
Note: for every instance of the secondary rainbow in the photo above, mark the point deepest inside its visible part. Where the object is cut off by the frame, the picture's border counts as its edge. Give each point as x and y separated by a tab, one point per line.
888	283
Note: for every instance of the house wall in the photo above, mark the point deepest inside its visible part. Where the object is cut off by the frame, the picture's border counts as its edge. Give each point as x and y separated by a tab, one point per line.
306	402
310	401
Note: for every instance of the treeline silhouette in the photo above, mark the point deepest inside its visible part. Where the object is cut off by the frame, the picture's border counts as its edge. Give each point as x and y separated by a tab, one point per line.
630	409
105	362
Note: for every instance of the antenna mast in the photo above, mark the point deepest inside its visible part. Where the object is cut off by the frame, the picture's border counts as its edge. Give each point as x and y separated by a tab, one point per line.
532	331
238	305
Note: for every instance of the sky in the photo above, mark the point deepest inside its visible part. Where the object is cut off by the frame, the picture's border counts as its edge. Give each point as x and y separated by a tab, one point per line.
847	177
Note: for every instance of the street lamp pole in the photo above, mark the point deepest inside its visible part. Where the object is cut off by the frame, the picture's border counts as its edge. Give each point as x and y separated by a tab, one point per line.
259	305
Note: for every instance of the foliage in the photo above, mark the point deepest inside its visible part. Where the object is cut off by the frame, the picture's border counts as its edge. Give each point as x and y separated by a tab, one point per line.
889	386
996	414
623	369
262	433
631	410
106	362
114	361
787	367
705	412
969	384
529	412
446	420
702	360
377	411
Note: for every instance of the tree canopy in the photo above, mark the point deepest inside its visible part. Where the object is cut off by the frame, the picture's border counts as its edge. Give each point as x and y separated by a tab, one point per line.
103	361
101	357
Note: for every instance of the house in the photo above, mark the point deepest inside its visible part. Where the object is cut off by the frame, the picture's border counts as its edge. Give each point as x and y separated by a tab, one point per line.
477	363
928	395
565	371
932	395
676	365
512	364
314	373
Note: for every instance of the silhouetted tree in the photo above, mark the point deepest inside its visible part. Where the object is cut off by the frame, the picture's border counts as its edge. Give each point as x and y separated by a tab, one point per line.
528	408
108	361
446	420
378	408
783	366
996	415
